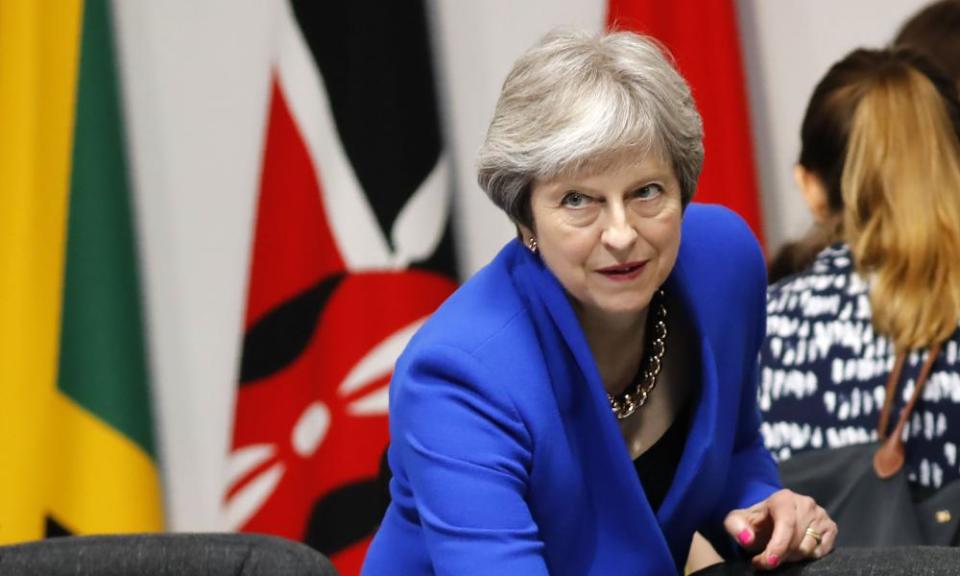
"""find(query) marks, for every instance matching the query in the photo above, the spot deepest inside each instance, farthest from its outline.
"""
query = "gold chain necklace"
(635, 396)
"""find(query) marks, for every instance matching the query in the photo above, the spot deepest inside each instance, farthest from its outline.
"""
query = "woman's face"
(610, 238)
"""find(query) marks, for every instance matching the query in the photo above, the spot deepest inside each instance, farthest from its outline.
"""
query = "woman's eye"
(574, 200)
(649, 191)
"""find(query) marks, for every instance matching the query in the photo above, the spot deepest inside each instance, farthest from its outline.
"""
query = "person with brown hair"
(934, 32)
(881, 164)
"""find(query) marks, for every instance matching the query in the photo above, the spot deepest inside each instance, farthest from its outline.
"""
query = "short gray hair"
(575, 101)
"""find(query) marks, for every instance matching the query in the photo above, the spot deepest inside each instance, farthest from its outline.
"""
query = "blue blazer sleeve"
(753, 474)
(467, 455)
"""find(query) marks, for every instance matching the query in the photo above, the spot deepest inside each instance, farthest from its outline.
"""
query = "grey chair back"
(207, 554)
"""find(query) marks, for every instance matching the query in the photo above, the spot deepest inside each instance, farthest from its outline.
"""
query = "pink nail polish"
(745, 537)
(773, 560)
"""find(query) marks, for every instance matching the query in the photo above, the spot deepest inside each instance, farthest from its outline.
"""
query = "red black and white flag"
(351, 253)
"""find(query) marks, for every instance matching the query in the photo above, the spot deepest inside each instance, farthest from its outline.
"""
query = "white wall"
(196, 76)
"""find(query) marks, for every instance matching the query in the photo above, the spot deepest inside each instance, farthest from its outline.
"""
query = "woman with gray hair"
(587, 401)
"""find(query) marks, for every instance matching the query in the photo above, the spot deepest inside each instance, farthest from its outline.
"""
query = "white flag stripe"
(358, 236)
(374, 404)
(242, 461)
(379, 361)
(310, 430)
(248, 500)
(419, 226)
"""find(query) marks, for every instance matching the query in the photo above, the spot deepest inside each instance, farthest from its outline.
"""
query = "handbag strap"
(889, 458)
(892, 382)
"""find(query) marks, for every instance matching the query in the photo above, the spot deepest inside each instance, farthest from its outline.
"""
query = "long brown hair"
(900, 188)
(825, 133)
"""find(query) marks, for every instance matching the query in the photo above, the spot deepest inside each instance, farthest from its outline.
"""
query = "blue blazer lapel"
(620, 504)
(697, 480)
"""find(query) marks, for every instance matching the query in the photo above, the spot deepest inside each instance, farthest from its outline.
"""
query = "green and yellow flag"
(76, 438)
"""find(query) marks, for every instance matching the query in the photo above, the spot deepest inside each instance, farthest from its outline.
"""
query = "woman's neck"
(617, 343)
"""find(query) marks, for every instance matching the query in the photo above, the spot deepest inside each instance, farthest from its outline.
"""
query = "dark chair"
(164, 555)
(919, 560)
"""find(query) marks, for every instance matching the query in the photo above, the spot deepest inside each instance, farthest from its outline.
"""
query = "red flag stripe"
(288, 210)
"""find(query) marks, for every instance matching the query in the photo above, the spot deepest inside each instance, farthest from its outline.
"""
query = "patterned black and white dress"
(824, 370)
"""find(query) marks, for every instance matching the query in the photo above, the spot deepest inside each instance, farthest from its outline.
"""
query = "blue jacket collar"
(582, 396)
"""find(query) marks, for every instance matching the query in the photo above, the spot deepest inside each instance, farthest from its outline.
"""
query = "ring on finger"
(813, 534)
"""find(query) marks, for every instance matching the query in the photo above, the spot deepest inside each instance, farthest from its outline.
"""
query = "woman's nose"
(618, 233)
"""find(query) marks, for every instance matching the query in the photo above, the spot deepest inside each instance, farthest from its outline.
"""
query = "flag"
(704, 39)
(77, 422)
(351, 254)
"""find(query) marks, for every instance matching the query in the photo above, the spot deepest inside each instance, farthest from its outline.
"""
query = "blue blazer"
(506, 457)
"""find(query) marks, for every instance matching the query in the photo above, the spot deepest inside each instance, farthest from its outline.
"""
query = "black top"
(657, 466)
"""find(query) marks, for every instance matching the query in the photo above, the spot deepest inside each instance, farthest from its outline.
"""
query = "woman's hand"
(783, 528)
